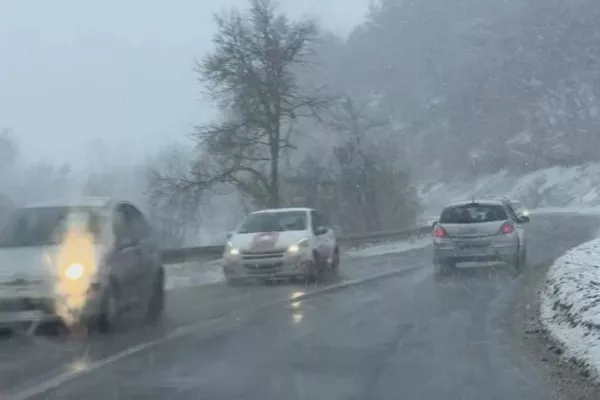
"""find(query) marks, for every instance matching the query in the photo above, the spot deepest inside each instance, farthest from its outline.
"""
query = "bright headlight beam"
(234, 252)
(295, 248)
(74, 271)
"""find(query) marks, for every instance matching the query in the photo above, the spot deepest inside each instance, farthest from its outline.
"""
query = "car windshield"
(274, 222)
(473, 213)
(42, 226)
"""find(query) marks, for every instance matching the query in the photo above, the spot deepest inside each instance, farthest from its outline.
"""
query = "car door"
(320, 237)
(148, 252)
(124, 261)
(512, 214)
(329, 236)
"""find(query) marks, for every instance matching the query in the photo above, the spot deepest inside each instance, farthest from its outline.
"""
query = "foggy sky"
(72, 71)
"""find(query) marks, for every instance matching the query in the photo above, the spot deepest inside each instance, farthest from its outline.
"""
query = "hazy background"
(430, 92)
(73, 71)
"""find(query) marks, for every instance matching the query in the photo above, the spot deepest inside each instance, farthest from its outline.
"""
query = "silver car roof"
(497, 202)
(84, 201)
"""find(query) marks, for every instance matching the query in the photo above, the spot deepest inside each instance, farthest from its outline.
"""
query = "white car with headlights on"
(78, 262)
(281, 243)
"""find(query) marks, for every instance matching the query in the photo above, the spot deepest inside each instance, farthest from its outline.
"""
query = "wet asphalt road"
(410, 336)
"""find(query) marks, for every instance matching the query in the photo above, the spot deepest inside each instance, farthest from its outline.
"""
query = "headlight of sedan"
(300, 245)
(74, 271)
(230, 250)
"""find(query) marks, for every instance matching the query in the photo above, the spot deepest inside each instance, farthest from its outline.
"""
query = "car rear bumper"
(504, 253)
(287, 266)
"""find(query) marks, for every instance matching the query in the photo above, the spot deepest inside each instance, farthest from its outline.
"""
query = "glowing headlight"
(301, 244)
(74, 271)
(230, 250)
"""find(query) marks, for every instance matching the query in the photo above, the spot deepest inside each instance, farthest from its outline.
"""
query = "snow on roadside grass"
(573, 187)
(192, 273)
(389, 248)
(195, 273)
(570, 304)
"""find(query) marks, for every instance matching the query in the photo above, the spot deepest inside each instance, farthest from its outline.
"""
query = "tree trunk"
(274, 186)
(274, 176)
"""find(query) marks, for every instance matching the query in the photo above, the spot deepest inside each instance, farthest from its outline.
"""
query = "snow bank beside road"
(570, 304)
(557, 187)
(389, 248)
(191, 274)
(194, 273)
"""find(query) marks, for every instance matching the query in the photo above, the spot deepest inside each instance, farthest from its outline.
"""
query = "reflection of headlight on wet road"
(74, 272)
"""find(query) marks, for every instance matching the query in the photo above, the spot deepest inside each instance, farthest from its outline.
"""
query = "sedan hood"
(266, 241)
(39, 263)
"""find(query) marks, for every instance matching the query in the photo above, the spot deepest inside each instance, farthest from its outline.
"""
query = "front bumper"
(275, 265)
(22, 305)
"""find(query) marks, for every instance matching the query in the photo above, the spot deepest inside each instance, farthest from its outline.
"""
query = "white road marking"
(61, 379)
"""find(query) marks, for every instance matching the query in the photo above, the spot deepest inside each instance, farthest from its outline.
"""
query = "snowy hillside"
(556, 187)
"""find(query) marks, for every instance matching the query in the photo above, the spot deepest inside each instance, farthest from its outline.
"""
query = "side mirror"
(434, 223)
(320, 230)
(229, 235)
(523, 219)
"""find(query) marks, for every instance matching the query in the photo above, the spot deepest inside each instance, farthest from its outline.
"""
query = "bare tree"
(371, 181)
(174, 212)
(251, 75)
(9, 152)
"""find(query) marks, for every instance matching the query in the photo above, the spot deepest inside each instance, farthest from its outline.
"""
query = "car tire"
(442, 267)
(109, 310)
(335, 263)
(233, 281)
(156, 301)
(316, 272)
(520, 260)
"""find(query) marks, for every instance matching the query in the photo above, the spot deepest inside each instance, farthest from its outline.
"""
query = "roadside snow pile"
(570, 304)
(389, 248)
(191, 274)
(556, 187)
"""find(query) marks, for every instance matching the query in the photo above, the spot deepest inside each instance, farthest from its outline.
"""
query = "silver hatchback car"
(479, 231)
(79, 262)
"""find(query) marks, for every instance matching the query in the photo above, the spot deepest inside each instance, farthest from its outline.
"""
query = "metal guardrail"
(207, 253)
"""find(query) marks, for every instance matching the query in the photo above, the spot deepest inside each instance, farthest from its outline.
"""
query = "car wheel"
(335, 263)
(109, 310)
(442, 267)
(156, 302)
(315, 273)
(520, 259)
(233, 281)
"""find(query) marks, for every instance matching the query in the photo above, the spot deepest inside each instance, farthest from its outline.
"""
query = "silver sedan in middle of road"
(485, 230)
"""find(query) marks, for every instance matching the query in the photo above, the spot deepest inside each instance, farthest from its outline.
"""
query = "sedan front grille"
(264, 268)
(262, 255)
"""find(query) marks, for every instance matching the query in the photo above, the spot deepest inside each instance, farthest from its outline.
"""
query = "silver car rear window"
(473, 213)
